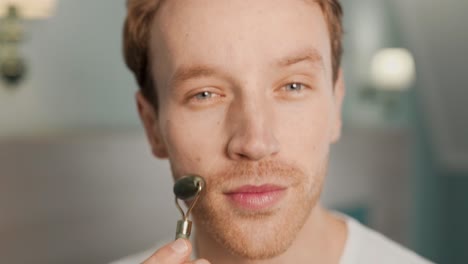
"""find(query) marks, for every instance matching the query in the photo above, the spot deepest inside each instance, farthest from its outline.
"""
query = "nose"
(252, 133)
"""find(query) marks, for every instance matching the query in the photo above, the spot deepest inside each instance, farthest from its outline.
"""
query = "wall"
(438, 224)
(76, 77)
(81, 198)
(435, 32)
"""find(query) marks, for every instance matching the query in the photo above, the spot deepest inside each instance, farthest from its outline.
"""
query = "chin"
(260, 239)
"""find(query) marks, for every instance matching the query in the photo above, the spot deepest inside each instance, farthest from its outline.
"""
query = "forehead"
(236, 34)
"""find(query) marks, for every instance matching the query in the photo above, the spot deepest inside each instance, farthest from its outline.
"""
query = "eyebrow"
(185, 73)
(308, 55)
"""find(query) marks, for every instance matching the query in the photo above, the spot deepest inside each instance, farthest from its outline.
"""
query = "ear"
(338, 95)
(149, 118)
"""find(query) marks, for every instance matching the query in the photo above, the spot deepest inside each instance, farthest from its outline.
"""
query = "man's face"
(245, 99)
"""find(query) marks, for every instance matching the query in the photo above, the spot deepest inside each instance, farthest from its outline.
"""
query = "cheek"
(304, 129)
(193, 138)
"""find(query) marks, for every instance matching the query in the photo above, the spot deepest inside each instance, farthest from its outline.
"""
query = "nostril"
(242, 156)
(251, 150)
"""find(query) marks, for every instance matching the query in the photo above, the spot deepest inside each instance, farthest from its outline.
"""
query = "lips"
(254, 198)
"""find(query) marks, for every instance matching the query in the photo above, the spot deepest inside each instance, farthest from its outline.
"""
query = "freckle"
(198, 159)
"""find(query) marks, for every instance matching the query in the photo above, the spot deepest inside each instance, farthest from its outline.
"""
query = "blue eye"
(204, 95)
(295, 86)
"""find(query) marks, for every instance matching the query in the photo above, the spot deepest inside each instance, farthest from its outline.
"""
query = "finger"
(198, 261)
(176, 252)
(201, 261)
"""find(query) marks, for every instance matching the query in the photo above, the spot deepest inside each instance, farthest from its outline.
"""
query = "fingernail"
(179, 246)
(201, 261)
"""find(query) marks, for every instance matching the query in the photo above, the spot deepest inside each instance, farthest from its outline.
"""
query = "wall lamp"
(13, 13)
(392, 73)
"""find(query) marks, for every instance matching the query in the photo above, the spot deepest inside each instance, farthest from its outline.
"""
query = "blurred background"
(78, 183)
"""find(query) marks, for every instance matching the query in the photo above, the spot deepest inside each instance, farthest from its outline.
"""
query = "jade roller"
(187, 188)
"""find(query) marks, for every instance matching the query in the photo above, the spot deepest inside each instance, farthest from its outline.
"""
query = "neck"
(321, 240)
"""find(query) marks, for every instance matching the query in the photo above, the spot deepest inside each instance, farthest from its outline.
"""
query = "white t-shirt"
(363, 246)
(366, 246)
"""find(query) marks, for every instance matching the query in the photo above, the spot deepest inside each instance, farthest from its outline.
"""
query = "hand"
(177, 252)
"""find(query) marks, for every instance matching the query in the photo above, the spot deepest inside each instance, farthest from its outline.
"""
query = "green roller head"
(187, 187)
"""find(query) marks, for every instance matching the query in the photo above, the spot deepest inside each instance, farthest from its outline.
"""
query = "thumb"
(173, 253)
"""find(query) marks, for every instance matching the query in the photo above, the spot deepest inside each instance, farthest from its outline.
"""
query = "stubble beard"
(263, 234)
